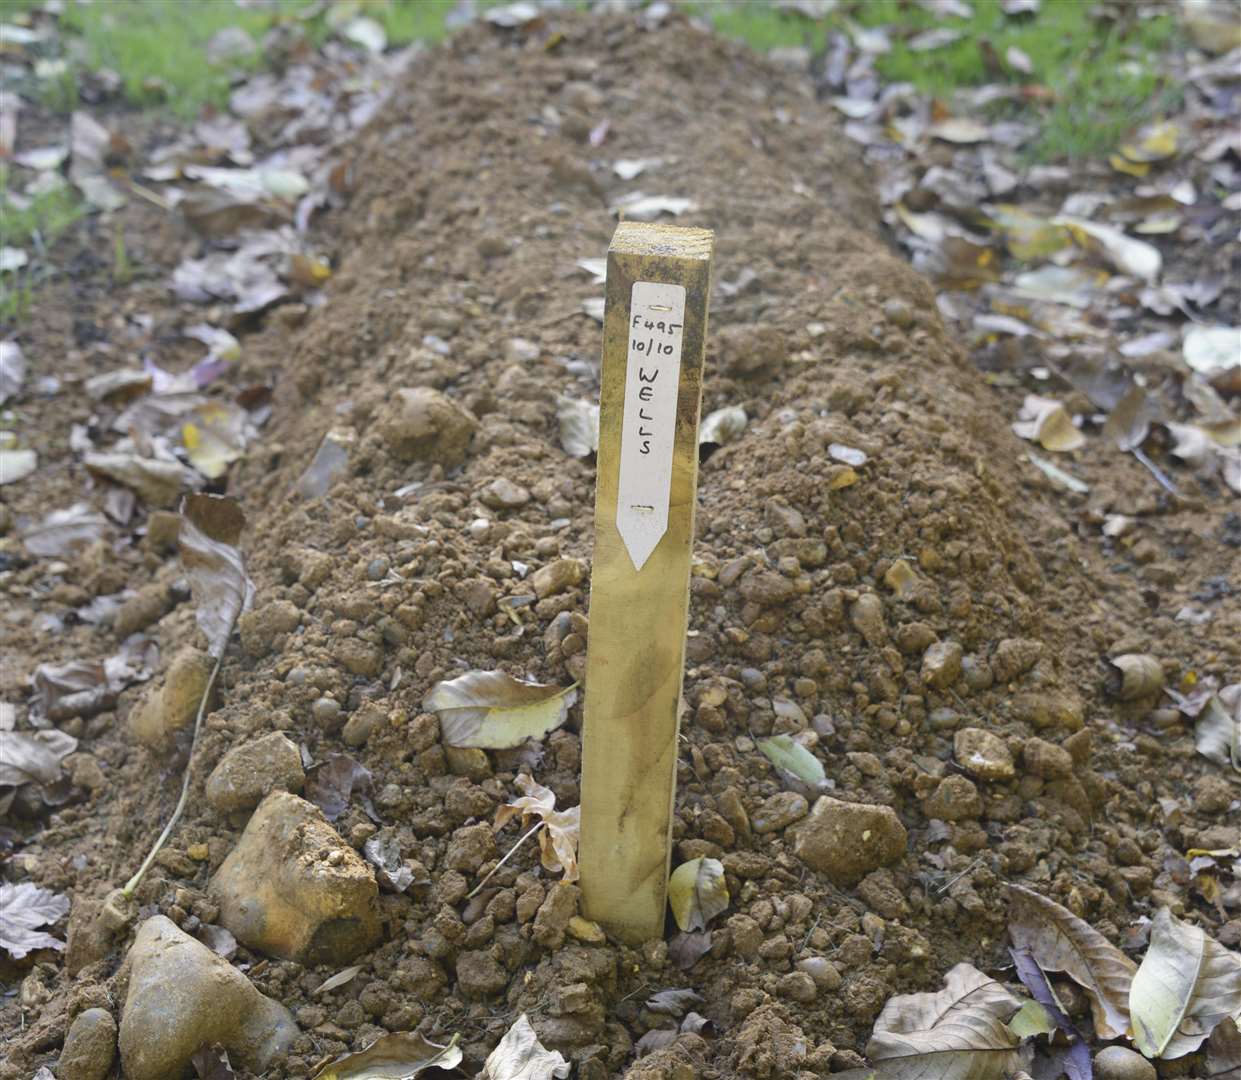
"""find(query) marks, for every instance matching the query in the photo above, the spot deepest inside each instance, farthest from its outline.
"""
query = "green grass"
(33, 228)
(1106, 78)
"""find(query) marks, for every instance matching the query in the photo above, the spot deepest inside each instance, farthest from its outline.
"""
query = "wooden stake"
(654, 336)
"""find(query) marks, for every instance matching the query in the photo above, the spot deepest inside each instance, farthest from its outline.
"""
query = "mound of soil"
(880, 608)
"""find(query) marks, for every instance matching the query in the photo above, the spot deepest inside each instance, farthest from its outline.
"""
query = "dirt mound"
(872, 570)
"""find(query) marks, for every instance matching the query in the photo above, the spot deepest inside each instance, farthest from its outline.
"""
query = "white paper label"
(652, 380)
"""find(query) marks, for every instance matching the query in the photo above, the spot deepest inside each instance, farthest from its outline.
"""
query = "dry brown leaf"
(1187, 984)
(210, 528)
(1224, 1052)
(520, 1056)
(957, 1033)
(64, 531)
(1047, 422)
(494, 711)
(1060, 941)
(23, 909)
(558, 839)
(158, 482)
(393, 1057)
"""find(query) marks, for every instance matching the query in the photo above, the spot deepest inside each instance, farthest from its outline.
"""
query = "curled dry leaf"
(1076, 1059)
(697, 893)
(1224, 1052)
(788, 755)
(62, 531)
(1217, 727)
(722, 426)
(558, 839)
(1187, 984)
(494, 711)
(1134, 675)
(957, 1033)
(1133, 257)
(24, 908)
(383, 852)
(1210, 350)
(579, 426)
(685, 950)
(1059, 941)
(158, 482)
(520, 1056)
(210, 528)
(211, 1063)
(674, 1002)
(339, 979)
(330, 785)
(393, 1057)
(1047, 422)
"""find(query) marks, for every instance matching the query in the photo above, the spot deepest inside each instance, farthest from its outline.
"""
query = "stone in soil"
(253, 770)
(1121, 1063)
(167, 711)
(181, 996)
(422, 424)
(293, 888)
(779, 811)
(90, 1047)
(983, 754)
(846, 841)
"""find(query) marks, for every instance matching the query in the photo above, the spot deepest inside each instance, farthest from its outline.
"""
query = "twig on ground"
(506, 858)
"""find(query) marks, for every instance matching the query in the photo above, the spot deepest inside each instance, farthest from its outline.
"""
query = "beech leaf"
(494, 711)
(210, 528)
(722, 426)
(1047, 422)
(1059, 941)
(1186, 985)
(393, 1057)
(63, 531)
(520, 1056)
(579, 426)
(788, 755)
(957, 1033)
(24, 908)
(1217, 728)
(697, 892)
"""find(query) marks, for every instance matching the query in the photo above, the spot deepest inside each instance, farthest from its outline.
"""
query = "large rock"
(846, 841)
(182, 996)
(293, 888)
(421, 424)
(253, 770)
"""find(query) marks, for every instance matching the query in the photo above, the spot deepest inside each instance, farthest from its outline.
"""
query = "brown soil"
(477, 191)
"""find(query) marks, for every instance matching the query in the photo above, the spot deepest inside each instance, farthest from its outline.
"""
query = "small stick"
(132, 883)
(1155, 470)
(506, 858)
(941, 889)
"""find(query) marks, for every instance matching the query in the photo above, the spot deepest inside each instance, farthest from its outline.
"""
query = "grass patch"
(1106, 77)
(33, 224)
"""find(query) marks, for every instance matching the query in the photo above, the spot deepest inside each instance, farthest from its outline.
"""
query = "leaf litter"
(494, 711)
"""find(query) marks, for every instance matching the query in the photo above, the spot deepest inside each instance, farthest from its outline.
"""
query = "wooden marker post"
(654, 337)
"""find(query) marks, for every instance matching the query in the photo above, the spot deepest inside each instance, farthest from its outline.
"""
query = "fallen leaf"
(685, 950)
(697, 893)
(1059, 941)
(1069, 285)
(33, 757)
(1217, 728)
(674, 1002)
(12, 259)
(339, 979)
(393, 1057)
(210, 528)
(494, 711)
(655, 1039)
(1155, 143)
(630, 168)
(328, 465)
(24, 908)
(64, 531)
(1212, 349)
(383, 852)
(13, 369)
(639, 207)
(1129, 422)
(579, 426)
(960, 130)
(1134, 257)
(211, 1063)
(1224, 1052)
(594, 307)
(722, 426)
(330, 785)
(76, 688)
(154, 480)
(1186, 985)
(365, 32)
(1032, 1019)
(1047, 422)
(520, 1056)
(90, 145)
(847, 454)
(17, 465)
(788, 755)
(1076, 1061)
(558, 839)
(219, 940)
(957, 1033)
(935, 38)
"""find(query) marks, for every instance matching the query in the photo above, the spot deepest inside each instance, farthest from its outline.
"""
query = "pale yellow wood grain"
(636, 650)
